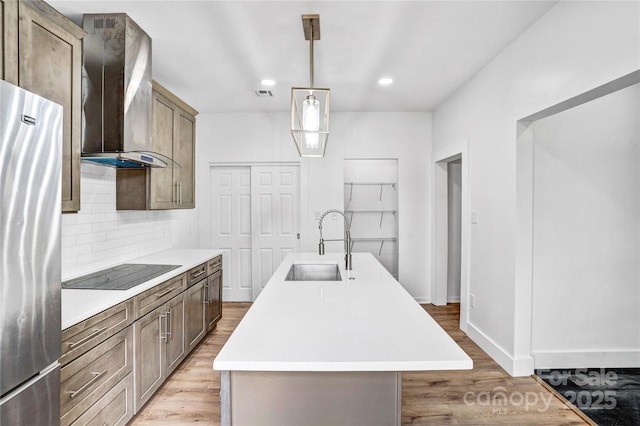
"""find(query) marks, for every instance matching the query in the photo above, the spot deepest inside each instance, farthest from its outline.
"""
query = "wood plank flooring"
(486, 395)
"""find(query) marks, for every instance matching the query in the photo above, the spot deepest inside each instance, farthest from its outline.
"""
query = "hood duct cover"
(116, 92)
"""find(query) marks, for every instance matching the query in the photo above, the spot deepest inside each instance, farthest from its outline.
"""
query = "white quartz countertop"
(366, 322)
(78, 305)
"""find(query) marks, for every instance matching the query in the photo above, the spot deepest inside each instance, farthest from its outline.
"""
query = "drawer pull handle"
(96, 331)
(198, 274)
(158, 296)
(215, 265)
(96, 376)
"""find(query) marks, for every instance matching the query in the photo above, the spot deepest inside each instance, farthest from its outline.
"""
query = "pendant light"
(310, 105)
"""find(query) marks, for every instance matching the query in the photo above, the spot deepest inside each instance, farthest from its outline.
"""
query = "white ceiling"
(213, 54)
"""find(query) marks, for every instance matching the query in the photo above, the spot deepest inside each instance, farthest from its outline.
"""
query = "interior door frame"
(439, 235)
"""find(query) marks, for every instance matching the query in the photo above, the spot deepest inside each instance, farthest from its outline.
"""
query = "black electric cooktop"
(121, 277)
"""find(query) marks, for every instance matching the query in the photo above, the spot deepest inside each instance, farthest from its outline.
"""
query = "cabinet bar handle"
(162, 335)
(198, 274)
(72, 394)
(89, 337)
(168, 328)
(158, 296)
(206, 294)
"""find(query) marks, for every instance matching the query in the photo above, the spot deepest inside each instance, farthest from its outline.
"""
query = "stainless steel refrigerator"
(30, 174)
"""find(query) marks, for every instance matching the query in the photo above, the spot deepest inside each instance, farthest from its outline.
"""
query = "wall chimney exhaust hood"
(116, 93)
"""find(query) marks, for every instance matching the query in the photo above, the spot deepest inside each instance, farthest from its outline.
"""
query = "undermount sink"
(314, 272)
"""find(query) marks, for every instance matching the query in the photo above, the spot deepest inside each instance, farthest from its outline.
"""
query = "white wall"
(573, 48)
(255, 137)
(99, 236)
(586, 205)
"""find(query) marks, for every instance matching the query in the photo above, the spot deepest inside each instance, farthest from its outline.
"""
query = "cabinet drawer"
(150, 299)
(214, 265)
(83, 336)
(115, 408)
(88, 378)
(196, 274)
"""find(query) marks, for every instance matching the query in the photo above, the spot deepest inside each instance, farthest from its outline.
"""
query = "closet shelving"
(380, 184)
(371, 205)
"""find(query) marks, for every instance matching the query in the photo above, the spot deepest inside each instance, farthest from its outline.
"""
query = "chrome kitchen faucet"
(346, 239)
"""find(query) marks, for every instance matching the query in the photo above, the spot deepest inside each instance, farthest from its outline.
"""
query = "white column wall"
(586, 205)
(261, 137)
(573, 48)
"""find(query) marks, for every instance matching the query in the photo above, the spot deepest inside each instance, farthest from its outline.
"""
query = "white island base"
(329, 352)
(311, 398)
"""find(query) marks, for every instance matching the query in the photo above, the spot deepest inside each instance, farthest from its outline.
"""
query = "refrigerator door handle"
(95, 377)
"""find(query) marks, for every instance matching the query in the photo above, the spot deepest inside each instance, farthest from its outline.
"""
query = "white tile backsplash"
(100, 236)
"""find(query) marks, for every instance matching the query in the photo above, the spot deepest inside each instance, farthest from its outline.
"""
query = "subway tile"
(68, 241)
(84, 228)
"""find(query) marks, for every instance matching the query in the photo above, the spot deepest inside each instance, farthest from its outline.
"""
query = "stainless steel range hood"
(116, 92)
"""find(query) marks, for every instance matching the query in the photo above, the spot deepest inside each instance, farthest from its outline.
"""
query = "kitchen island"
(329, 352)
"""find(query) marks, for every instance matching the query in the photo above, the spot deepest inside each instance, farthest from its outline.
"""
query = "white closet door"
(231, 229)
(275, 219)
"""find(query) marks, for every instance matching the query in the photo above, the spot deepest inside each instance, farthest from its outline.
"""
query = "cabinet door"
(162, 190)
(50, 63)
(9, 41)
(149, 340)
(195, 325)
(176, 346)
(214, 299)
(183, 154)
(84, 381)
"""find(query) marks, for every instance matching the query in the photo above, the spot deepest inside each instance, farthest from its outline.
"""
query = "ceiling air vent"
(262, 93)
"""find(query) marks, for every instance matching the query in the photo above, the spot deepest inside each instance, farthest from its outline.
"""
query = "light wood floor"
(191, 394)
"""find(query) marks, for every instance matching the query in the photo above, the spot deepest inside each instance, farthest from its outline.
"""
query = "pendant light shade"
(310, 120)
(310, 105)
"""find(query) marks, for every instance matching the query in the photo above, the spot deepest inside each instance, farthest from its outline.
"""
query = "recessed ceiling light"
(268, 82)
(385, 81)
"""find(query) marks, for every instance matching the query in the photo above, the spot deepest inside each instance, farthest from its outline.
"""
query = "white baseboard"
(515, 367)
(455, 299)
(592, 359)
(423, 300)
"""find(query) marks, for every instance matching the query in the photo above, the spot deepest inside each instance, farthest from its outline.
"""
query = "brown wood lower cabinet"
(195, 296)
(204, 301)
(114, 408)
(213, 299)
(85, 381)
(113, 362)
(159, 347)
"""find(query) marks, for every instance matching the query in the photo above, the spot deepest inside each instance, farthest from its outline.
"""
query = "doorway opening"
(450, 254)
(577, 245)
(454, 223)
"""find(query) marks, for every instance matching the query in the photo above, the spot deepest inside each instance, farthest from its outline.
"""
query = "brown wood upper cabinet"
(42, 53)
(9, 34)
(174, 130)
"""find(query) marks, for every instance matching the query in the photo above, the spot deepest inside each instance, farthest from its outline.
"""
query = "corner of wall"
(516, 367)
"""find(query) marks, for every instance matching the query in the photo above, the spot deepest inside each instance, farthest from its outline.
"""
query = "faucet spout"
(347, 238)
